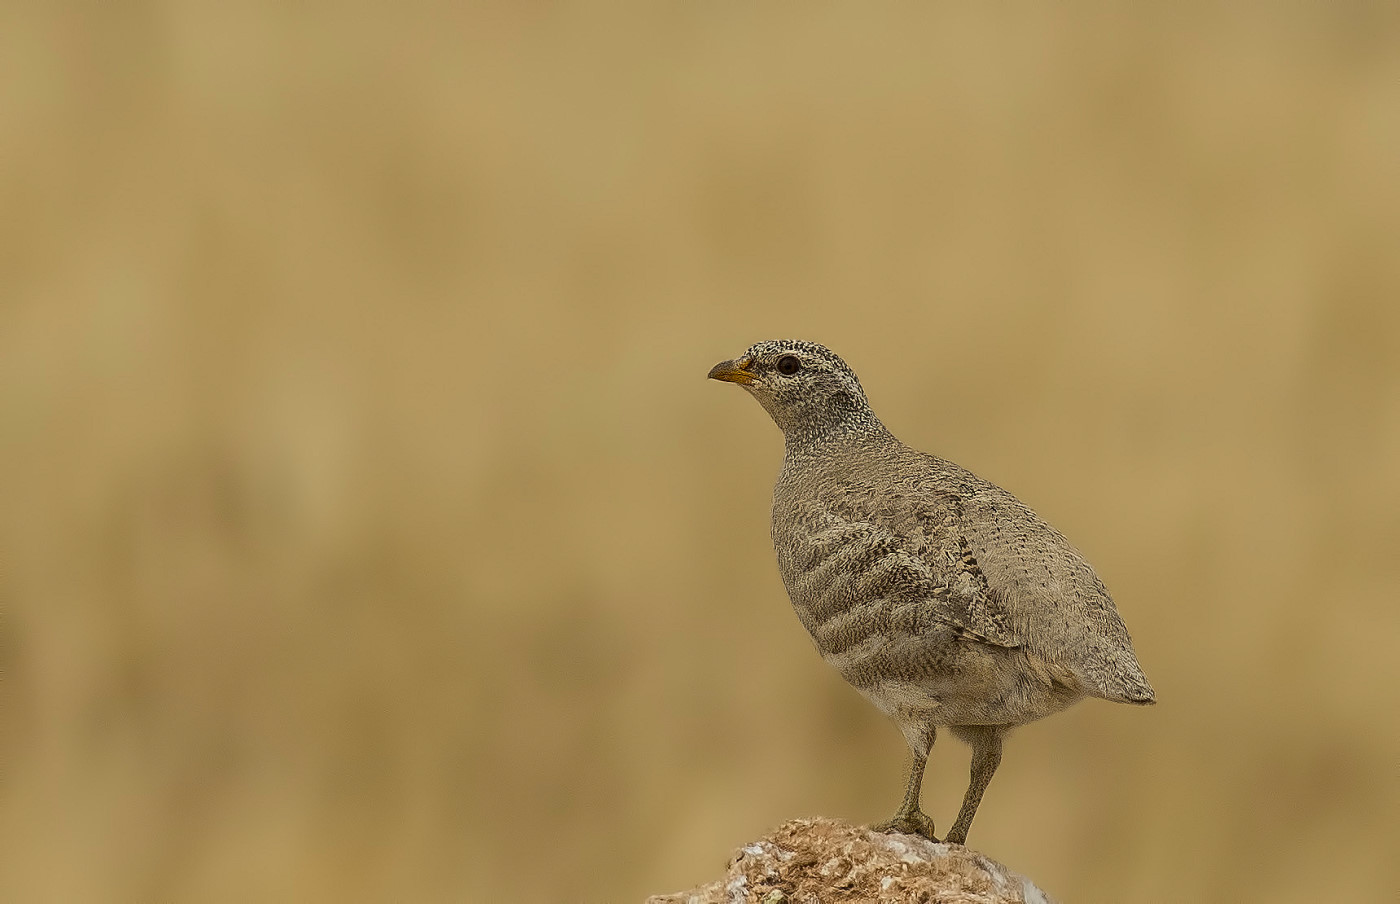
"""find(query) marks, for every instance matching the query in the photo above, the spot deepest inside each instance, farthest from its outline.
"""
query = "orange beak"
(736, 371)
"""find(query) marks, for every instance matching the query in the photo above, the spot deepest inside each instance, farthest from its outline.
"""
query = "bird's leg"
(909, 818)
(986, 756)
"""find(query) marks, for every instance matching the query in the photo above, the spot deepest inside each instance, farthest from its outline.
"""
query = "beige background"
(370, 532)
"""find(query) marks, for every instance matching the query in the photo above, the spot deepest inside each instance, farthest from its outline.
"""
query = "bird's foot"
(915, 822)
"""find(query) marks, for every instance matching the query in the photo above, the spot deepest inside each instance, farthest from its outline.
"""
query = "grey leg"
(986, 756)
(909, 818)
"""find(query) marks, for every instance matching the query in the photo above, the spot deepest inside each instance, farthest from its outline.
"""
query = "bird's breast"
(855, 583)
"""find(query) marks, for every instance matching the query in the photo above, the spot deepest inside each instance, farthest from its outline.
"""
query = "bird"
(941, 597)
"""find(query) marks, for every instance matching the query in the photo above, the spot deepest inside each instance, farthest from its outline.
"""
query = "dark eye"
(788, 365)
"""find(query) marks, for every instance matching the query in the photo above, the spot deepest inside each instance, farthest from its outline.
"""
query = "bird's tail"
(1121, 680)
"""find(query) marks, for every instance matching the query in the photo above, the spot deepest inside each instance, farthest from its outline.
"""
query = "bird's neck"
(815, 439)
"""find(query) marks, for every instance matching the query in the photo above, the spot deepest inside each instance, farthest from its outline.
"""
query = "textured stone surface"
(826, 861)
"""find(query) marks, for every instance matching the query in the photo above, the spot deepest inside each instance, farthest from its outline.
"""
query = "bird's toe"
(915, 823)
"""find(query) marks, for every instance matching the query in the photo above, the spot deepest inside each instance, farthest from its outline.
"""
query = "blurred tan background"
(371, 533)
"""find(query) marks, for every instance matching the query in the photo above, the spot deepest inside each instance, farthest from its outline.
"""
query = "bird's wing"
(929, 528)
(841, 552)
(1039, 587)
(987, 615)
(1044, 595)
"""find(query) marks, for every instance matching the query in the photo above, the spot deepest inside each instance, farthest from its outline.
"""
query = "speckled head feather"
(811, 394)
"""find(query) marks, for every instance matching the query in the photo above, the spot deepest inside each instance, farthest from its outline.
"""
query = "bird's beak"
(736, 371)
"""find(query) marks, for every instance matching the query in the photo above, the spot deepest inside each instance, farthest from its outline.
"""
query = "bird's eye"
(788, 365)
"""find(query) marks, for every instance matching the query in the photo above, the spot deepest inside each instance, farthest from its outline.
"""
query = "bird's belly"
(946, 679)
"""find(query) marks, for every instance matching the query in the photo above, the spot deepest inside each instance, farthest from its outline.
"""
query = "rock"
(826, 861)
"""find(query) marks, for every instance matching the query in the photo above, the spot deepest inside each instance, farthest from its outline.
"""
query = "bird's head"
(806, 387)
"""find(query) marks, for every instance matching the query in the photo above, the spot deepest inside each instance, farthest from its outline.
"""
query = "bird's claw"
(915, 823)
